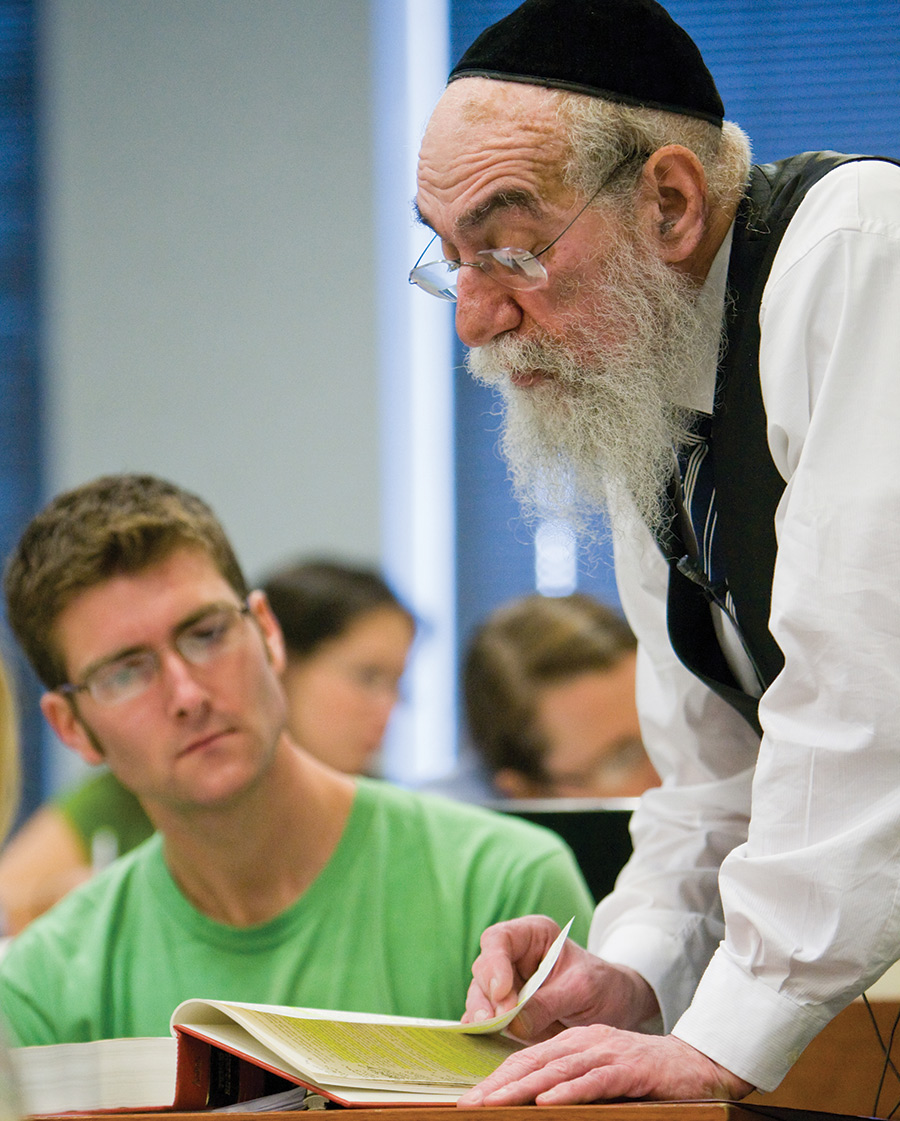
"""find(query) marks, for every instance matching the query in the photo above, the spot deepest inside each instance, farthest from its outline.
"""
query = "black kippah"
(629, 51)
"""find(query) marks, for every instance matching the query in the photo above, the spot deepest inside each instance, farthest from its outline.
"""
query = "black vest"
(748, 486)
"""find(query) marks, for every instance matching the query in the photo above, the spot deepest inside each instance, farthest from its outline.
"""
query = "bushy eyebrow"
(510, 198)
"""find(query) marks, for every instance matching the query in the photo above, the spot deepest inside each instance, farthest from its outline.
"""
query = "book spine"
(209, 1076)
(192, 1070)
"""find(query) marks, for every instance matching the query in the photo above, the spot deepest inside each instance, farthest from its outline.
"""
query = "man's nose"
(184, 690)
(484, 308)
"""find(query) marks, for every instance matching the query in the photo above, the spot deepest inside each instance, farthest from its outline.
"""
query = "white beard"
(598, 434)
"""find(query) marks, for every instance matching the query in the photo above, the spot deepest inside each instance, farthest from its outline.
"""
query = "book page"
(129, 1073)
(537, 978)
(372, 1054)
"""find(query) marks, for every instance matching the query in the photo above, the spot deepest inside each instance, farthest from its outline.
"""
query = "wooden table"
(626, 1111)
(840, 1070)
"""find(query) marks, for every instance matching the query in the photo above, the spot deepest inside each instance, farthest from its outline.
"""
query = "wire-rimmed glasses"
(200, 642)
(511, 267)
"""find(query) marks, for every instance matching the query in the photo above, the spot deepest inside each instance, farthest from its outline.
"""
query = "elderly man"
(273, 878)
(710, 351)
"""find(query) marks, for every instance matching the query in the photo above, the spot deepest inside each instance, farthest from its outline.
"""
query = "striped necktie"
(695, 503)
(698, 504)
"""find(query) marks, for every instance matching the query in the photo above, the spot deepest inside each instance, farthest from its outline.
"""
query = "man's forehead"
(184, 576)
(486, 135)
(476, 109)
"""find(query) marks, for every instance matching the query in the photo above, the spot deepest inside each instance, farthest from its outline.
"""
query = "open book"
(353, 1058)
(227, 1051)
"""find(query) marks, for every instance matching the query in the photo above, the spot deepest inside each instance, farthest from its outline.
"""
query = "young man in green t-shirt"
(271, 878)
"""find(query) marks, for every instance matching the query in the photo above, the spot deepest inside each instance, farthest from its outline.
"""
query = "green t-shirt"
(101, 803)
(392, 925)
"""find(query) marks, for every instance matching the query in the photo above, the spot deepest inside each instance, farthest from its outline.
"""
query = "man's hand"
(581, 989)
(600, 1063)
(580, 1057)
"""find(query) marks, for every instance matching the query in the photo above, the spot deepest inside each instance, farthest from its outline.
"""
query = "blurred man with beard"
(708, 351)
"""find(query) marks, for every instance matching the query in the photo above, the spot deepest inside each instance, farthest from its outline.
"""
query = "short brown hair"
(532, 641)
(116, 524)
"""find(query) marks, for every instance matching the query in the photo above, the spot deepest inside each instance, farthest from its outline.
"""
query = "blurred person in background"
(348, 639)
(549, 690)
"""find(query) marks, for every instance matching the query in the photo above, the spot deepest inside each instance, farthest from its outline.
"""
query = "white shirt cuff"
(747, 1027)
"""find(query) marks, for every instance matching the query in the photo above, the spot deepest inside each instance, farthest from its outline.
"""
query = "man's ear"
(63, 719)
(270, 629)
(673, 204)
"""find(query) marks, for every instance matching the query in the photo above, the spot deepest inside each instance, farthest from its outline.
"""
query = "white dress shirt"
(755, 929)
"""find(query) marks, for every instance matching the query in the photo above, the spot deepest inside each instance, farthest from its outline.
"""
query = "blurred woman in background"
(348, 638)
